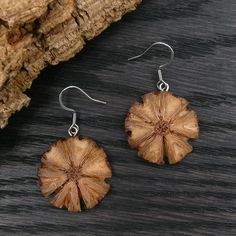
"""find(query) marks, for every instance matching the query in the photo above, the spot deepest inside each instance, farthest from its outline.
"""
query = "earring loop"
(160, 125)
(161, 84)
(75, 169)
(74, 128)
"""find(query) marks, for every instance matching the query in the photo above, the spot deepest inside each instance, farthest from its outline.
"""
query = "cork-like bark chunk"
(160, 127)
(34, 34)
(75, 169)
(15, 12)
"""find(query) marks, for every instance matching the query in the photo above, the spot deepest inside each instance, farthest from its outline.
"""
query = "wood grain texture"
(196, 197)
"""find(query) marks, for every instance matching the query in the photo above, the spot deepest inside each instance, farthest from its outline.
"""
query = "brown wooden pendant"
(75, 170)
(160, 126)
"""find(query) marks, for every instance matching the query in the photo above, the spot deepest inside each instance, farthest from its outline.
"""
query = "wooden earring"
(74, 169)
(161, 124)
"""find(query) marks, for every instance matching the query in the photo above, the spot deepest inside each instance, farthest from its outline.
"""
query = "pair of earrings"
(159, 127)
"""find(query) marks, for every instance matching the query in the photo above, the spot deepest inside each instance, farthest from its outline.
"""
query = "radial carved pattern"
(75, 169)
(160, 126)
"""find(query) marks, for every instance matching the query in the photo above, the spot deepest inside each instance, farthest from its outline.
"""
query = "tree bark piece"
(34, 34)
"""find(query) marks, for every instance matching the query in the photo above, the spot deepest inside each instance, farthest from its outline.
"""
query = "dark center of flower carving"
(73, 173)
(162, 128)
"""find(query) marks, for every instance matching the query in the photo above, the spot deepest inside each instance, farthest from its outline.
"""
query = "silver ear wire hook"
(161, 84)
(74, 128)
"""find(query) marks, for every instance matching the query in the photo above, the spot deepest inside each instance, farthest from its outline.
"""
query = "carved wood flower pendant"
(161, 126)
(75, 169)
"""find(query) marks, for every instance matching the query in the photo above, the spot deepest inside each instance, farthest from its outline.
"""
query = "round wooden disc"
(75, 169)
(160, 127)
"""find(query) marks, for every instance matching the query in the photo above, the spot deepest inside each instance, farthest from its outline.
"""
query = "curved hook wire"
(82, 91)
(161, 84)
(74, 128)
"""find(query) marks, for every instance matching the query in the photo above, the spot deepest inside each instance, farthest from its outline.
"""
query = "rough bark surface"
(34, 34)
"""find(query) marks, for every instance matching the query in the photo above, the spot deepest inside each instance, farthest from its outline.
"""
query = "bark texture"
(34, 34)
